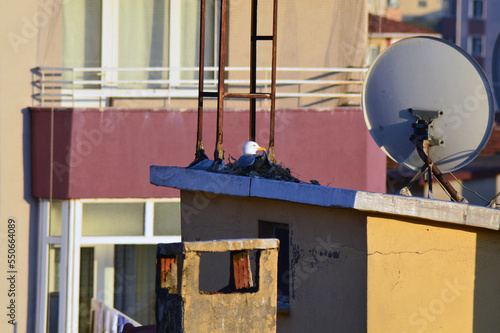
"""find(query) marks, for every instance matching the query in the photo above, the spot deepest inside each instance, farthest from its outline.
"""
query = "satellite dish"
(438, 83)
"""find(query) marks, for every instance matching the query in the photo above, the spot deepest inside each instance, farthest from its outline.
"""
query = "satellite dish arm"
(438, 174)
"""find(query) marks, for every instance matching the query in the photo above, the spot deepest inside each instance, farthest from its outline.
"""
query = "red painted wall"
(107, 153)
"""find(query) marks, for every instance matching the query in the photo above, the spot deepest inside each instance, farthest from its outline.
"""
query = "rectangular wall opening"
(280, 231)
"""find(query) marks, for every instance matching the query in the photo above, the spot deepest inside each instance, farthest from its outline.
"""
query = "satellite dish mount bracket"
(423, 141)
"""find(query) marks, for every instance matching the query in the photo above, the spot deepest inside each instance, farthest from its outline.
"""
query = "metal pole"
(271, 153)
(253, 69)
(199, 135)
(219, 151)
(458, 23)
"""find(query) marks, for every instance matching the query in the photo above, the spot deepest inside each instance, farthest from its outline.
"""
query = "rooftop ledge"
(416, 207)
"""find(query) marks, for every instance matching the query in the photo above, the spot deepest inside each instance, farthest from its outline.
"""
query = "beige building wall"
(310, 34)
(19, 44)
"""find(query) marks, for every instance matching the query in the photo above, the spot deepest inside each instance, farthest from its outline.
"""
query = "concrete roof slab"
(415, 207)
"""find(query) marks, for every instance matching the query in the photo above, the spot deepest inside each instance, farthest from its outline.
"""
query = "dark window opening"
(281, 232)
(477, 9)
(228, 272)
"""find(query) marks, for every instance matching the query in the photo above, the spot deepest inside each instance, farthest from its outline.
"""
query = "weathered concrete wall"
(327, 254)
(186, 308)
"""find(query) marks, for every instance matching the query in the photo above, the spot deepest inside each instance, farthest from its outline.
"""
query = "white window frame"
(71, 241)
(109, 55)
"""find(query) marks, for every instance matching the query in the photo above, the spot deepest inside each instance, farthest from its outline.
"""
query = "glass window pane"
(55, 221)
(477, 9)
(143, 38)
(86, 287)
(477, 47)
(82, 37)
(167, 219)
(113, 219)
(134, 282)
(54, 272)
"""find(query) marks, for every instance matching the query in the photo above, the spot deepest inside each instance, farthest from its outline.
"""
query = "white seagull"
(251, 150)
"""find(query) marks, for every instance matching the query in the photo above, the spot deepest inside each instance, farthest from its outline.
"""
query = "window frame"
(422, 4)
(471, 46)
(110, 55)
(472, 8)
(71, 241)
(449, 8)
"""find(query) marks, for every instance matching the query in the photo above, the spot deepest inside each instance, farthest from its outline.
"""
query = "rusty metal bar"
(253, 69)
(219, 151)
(201, 94)
(271, 153)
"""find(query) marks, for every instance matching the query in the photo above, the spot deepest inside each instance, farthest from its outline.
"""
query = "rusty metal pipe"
(219, 151)
(271, 153)
(253, 69)
(199, 133)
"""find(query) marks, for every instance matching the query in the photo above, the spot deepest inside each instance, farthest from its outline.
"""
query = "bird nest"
(260, 168)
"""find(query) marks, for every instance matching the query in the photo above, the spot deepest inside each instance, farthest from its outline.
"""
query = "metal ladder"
(220, 94)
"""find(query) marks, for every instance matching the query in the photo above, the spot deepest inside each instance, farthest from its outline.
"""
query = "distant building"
(387, 8)
(477, 31)
(383, 31)
(425, 13)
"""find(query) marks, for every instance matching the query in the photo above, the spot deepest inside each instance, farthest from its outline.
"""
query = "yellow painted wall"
(430, 277)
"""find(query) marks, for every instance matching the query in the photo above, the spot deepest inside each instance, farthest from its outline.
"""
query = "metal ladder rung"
(214, 94)
(271, 37)
(247, 95)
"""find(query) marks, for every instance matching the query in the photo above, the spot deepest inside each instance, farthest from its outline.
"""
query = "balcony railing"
(99, 86)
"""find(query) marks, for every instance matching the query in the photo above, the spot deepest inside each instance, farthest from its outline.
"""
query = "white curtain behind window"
(143, 37)
(81, 36)
(135, 282)
(149, 33)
